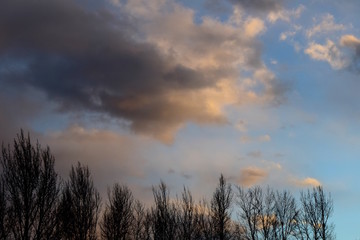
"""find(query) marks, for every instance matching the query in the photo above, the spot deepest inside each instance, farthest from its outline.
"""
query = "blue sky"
(265, 92)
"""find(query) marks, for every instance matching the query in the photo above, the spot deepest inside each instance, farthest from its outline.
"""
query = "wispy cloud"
(326, 25)
(285, 14)
(329, 53)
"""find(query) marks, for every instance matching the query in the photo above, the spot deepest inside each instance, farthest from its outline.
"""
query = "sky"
(263, 91)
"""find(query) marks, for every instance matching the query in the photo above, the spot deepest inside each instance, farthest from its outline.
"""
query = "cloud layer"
(150, 64)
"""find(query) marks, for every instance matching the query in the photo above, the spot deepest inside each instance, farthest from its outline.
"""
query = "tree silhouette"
(204, 223)
(257, 212)
(118, 217)
(265, 208)
(286, 214)
(148, 222)
(317, 208)
(139, 224)
(31, 190)
(187, 216)
(80, 205)
(220, 209)
(4, 219)
(33, 205)
(248, 203)
(164, 214)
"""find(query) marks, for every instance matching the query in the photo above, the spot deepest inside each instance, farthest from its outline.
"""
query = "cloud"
(254, 26)
(217, 6)
(274, 9)
(259, 5)
(290, 34)
(111, 157)
(17, 111)
(148, 63)
(344, 54)
(96, 147)
(285, 15)
(326, 25)
(251, 175)
(285, 35)
(307, 182)
(350, 41)
(329, 53)
(352, 45)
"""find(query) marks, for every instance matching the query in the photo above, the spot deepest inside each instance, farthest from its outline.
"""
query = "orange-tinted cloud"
(307, 182)
(251, 175)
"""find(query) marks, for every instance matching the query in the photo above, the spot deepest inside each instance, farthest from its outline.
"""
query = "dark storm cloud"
(17, 110)
(87, 58)
(84, 56)
(69, 49)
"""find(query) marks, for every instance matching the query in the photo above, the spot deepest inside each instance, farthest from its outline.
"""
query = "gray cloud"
(353, 43)
(260, 5)
(217, 6)
(87, 57)
(17, 110)
(70, 52)
(111, 157)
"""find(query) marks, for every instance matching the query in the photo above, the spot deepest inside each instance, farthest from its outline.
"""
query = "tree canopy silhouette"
(29, 191)
(79, 205)
(34, 205)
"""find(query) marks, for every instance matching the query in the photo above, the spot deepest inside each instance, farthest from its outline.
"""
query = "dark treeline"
(36, 204)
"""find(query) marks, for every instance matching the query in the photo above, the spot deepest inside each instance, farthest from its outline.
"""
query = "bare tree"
(5, 222)
(80, 204)
(118, 216)
(148, 224)
(220, 209)
(204, 225)
(317, 208)
(265, 205)
(164, 214)
(257, 211)
(31, 189)
(138, 228)
(249, 210)
(287, 215)
(187, 216)
(238, 231)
